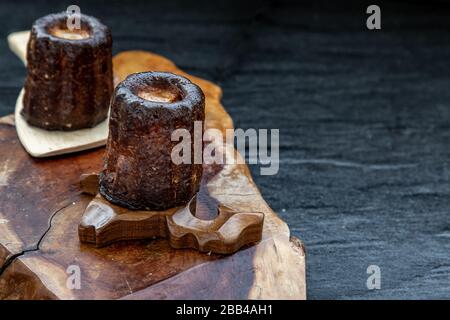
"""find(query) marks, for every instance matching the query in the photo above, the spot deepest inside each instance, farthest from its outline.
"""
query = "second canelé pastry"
(69, 73)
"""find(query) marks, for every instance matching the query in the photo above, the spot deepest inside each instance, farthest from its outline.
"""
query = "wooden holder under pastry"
(104, 223)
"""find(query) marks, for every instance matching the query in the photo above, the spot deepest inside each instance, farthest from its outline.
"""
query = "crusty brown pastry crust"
(138, 172)
(69, 82)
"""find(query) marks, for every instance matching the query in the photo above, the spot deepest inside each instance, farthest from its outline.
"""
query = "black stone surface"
(364, 119)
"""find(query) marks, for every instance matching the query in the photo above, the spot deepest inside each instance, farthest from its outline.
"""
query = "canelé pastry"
(138, 171)
(69, 80)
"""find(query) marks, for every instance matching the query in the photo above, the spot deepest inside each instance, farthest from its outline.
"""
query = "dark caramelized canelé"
(69, 80)
(139, 172)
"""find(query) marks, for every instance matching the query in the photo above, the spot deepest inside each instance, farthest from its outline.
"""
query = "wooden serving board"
(41, 206)
(44, 143)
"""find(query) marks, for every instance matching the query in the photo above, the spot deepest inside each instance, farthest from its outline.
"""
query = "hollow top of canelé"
(153, 89)
(160, 94)
(65, 33)
(55, 26)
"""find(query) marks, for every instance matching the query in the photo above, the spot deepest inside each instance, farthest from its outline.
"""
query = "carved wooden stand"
(103, 223)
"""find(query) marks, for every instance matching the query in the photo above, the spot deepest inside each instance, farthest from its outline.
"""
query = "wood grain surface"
(275, 268)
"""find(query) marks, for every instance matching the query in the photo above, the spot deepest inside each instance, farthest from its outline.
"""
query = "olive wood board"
(41, 205)
(44, 143)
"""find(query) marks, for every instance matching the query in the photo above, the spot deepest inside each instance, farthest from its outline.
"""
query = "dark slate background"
(364, 119)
